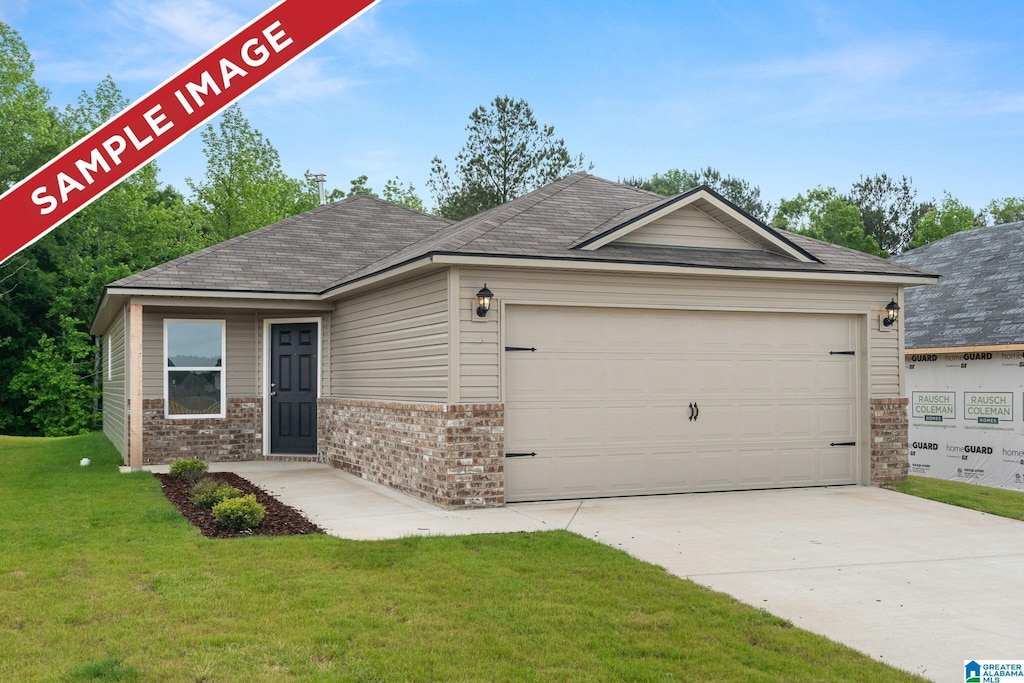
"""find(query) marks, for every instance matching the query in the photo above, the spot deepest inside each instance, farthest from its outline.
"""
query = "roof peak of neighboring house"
(978, 301)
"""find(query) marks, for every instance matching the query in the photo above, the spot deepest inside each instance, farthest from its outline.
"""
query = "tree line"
(50, 366)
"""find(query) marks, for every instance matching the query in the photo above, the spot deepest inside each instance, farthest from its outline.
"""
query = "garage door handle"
(844, 443)
(520, 455)
(520, 348)
(694, 411)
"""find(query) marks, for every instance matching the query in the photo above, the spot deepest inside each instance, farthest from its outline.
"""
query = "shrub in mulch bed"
(281, 519)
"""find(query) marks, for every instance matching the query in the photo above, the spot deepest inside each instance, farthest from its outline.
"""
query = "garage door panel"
(577, 378)
(711, 336)
(757, 467)
(835, 465)
(712, 377)
(586, 334)
(836, 378)
(667, 376)
(755, 421)
(580, 474)
(669, 471)
(837, 421)
(714, 468)
(624, 338)
(533, 377)
(668, 332)
(629, 424)
(530, 478)
(754, 377)
(626, 472)
(836, 337)
(716, 422)
(797, 465)
(624, 378)
(796, 421)
(797, 377)
(605, 401)
(668, 423)
(577, 425)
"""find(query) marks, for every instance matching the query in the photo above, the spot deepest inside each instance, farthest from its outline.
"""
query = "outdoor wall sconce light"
(892, 313)
(483, 301)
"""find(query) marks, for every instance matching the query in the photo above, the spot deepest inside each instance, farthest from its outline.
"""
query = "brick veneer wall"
(890, 457)
(237, 436)
(448, 455)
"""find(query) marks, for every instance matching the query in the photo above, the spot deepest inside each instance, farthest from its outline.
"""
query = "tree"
(359, 186)
(244, 187)
(1006, 210)
(950, 217)
(56, 384)
(27, 124)
(506, 155)
(736, 190)
(889, 209)
(826, 215)
(396, 192)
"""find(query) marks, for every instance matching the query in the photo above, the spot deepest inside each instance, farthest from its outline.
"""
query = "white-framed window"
(194, 352)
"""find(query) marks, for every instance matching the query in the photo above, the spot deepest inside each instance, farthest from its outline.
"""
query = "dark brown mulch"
(281, 519)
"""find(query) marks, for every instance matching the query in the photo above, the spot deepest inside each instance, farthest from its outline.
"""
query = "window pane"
(194, 345)
(193, 393)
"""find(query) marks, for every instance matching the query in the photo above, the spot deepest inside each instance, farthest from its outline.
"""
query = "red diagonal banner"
(133, 138)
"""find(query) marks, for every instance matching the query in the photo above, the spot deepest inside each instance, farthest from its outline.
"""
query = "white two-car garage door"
(621, 402)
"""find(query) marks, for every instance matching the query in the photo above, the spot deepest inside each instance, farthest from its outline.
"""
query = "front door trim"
(265, 383)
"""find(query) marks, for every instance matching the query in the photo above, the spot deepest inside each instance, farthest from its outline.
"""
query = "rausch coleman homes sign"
(965, 416)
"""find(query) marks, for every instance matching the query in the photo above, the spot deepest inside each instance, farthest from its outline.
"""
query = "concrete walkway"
(919, 585)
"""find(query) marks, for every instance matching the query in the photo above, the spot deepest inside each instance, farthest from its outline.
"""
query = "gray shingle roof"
(361, 236)
(980, 299)
(303, 254)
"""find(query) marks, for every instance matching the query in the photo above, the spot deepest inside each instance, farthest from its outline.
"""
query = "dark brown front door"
(293, 387)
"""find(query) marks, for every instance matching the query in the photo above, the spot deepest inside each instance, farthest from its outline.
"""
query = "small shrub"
(208, 492)
(239, 513)
(189, 469)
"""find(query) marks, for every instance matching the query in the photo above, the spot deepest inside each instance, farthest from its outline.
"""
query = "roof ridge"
(636, 189)
(521, 202)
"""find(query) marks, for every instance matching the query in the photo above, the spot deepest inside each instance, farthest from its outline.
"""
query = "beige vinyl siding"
(241, 365)
(113, 388)
(479, 366)
(392, 343)
(687, 227)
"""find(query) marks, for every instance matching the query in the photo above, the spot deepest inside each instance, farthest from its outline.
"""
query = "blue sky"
(787, 95)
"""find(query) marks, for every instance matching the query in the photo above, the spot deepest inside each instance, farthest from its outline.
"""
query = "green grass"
(102, 580)
(1002, 502)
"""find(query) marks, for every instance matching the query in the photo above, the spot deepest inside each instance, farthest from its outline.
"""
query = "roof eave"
(113, 294)
(688, 269)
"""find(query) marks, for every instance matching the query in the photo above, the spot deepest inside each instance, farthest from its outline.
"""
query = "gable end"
(701, 219)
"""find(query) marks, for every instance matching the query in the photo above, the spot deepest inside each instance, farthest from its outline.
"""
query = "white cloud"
(184, 25)
(304, 80)
(374, 46)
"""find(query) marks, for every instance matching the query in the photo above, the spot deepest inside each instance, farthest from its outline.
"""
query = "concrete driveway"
(919, 585)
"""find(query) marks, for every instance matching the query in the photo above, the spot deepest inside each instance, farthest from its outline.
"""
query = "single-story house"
(965, 358)
(587, 339)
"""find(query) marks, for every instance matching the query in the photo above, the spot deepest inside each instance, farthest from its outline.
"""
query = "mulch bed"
(281, 519)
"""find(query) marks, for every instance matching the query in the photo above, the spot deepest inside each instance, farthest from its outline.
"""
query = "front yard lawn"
(102, 579)
(1002, 502)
